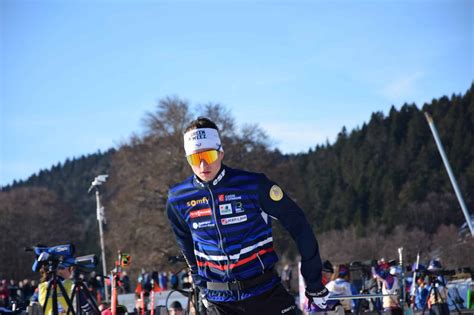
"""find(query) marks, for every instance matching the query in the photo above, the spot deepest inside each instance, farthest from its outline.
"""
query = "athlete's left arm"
(278, 205)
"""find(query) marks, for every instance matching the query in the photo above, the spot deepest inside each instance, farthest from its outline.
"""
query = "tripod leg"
(77, 296)
(48, 291)
(427, 298)
(72, 294)
(89, 297)
(55, 297)
(66, 298)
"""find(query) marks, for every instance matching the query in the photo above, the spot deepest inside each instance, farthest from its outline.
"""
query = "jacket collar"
(197, 182)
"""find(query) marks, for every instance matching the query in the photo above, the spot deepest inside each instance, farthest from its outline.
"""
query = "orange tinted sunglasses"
(208, 156)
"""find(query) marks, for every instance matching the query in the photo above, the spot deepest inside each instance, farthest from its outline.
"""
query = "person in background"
(390, 285)
(421, 292)
(4, 293)
(174, 281)
(13, 290)
(340, 285)
(40, 296)
(176, 309)
(28, 289)
(125, 282)
(438, 298)
(328, 271)
(163, 280)
(64, 274)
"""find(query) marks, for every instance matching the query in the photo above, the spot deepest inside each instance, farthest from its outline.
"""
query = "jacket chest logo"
(200, 213)
(225, 209)
(234, 220)
(230, 197)
(195, 202)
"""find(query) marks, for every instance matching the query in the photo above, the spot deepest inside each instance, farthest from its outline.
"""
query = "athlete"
(222, 221)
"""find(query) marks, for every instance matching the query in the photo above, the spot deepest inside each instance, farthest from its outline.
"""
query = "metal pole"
(402, 280)
(102, 246)
(450, 172)
(413, 284)
(359, 297)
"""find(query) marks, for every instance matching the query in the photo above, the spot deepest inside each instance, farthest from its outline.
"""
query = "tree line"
(379, 186)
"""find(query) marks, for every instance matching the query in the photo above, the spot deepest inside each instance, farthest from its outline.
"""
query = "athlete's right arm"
(183, 235)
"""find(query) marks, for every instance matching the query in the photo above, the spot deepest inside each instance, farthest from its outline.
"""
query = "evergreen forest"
(377, 187)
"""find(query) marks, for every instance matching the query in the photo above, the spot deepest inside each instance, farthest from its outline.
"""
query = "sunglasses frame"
(189, 158)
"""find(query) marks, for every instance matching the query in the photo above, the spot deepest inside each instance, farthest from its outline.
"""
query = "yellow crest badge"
(276, 194)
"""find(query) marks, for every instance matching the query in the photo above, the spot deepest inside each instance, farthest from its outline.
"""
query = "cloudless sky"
(78, 76)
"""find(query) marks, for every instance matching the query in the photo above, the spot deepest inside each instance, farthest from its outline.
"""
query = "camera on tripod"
(435, 273)
(57, 291)
(61, 254)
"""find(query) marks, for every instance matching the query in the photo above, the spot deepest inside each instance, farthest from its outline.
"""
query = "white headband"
(202, 138)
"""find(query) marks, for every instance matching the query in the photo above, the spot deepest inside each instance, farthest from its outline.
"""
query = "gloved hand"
(317, 298)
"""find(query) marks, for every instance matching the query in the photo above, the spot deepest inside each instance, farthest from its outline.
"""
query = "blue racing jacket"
(224, 230)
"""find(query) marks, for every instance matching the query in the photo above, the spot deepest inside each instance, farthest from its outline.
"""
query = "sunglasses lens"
(194, 159)
(208, 156)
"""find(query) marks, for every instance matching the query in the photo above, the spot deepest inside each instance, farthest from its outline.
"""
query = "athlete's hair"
(201, 122)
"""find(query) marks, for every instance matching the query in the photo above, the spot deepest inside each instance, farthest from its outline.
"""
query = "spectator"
(163, 280)
(438, 299)
(4, 293)
(145, 280)
(95, 286)
(421, 292)
(174, 283)
(176, 308)
(390, 285)
(340, 285)
(28, 289)
(64, 274)
(13, 290)
(125, 281)
(328, 271)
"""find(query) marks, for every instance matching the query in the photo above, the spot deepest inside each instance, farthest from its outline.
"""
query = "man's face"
(207, 172)
(176, 312)
(64, 272)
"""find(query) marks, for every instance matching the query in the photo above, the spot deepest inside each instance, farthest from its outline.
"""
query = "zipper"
(221, 241)
(261, 263)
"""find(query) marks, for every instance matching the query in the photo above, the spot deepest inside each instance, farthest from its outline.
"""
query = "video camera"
(435, 272)
(61, 254)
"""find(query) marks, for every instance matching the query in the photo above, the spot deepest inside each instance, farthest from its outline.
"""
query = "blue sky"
(78, 76)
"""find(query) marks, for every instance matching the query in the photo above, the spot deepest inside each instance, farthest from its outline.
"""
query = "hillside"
(377, 187)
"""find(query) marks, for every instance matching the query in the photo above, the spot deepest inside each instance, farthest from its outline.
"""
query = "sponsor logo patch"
(201, 201)
(230, 197)
(203, 224)
(239, 207)
(225, 208)
(200, 213)
(234, 220)
(289, 308)
(198, 134)
(218, 179)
